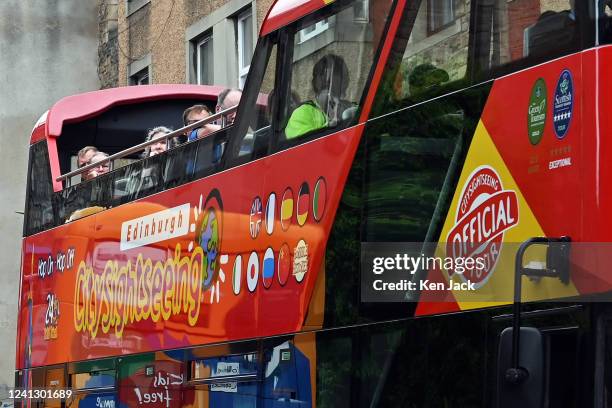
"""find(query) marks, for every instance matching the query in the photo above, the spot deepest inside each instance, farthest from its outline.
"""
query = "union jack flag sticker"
(256, 218)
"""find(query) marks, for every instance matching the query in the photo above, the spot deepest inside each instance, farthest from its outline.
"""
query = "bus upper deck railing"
(130, 150)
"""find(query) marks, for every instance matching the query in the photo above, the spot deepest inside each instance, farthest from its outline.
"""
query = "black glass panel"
(39, 206)
(409, 363)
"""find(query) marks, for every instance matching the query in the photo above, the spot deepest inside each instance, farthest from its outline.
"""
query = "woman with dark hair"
(330, 79)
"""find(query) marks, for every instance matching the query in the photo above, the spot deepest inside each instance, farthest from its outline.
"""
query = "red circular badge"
(484, 212)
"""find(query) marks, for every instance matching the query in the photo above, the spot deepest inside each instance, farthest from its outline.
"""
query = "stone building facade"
(178, 41)
(48, 52)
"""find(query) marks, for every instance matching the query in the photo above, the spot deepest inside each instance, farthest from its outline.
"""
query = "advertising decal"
(185, 267)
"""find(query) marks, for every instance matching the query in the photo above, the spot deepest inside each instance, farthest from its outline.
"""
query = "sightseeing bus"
(368, 131)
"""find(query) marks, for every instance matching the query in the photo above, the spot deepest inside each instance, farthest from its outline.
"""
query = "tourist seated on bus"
(85, 154)
(294, 103)
(195, 114)
(228, 98)
(330, 79)
(94, 172)
(140, 180)
(162, 145)
(256, 141)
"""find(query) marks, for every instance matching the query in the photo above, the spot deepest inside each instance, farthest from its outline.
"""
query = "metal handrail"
(143, 145)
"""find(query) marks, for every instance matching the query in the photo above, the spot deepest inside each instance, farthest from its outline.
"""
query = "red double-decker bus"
(198, 279)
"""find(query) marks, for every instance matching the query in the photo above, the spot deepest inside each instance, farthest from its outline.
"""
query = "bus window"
(412, 166)
(39, 208)
(94, 379)
(153, 379)
(513, 35)
(55, 379)
(332, 53)
(605, 21)
(251, 136)
(435, 50)
(445, 48)
(288, 366)
(93, 384)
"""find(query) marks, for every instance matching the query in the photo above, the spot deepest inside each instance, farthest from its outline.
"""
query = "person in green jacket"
(330, 79)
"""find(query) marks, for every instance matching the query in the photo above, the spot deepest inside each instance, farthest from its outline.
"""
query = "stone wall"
(158, 30)
(108, 50)
(48, 51)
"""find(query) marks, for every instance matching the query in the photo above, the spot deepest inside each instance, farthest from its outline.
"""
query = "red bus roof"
(85, 105)
(284, 12)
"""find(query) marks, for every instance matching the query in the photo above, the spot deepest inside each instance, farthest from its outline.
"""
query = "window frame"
(207, 37)
(38, 158)
(242, 32)
(366, 10)
(320, 28)
(431, 27)
(236, 133)
(139, 77)
(132, 6)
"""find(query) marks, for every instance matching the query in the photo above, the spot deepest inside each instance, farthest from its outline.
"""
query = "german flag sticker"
(287, 209)
(303, 204)
(319, 199)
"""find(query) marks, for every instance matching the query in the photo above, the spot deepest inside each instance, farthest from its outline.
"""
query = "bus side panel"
(228, 257)
(521, 178)
(597, 170)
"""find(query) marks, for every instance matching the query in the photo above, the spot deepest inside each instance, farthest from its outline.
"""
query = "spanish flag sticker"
(287, 209)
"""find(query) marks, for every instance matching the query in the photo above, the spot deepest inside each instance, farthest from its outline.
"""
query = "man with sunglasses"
(195, 114)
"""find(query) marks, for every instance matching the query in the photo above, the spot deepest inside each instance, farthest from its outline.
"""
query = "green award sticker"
(536, 116)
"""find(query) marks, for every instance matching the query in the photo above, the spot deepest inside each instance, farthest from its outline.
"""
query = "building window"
(245, 45)
(314, 30)
(134, 5)
(361, 10)
(141, 77)
(204, 59)
(441, 14)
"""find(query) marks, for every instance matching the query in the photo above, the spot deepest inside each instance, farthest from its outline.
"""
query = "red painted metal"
(90, 321)
(285, 12)
(83, 106)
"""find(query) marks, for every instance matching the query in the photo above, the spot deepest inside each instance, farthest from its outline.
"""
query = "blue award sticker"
(563, 104)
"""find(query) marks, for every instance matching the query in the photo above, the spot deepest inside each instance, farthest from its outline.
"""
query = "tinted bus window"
(479, 40)
(39, 208)
(432, 58)
(332, 56)
(413, 162)
(413, 159)
(255, 127)
(517, 34)
(605, 21)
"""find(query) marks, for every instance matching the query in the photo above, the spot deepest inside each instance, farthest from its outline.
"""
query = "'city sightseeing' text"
(137, 291)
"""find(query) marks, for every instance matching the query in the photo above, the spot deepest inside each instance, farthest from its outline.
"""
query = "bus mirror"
(525, 390)
(558, 259)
